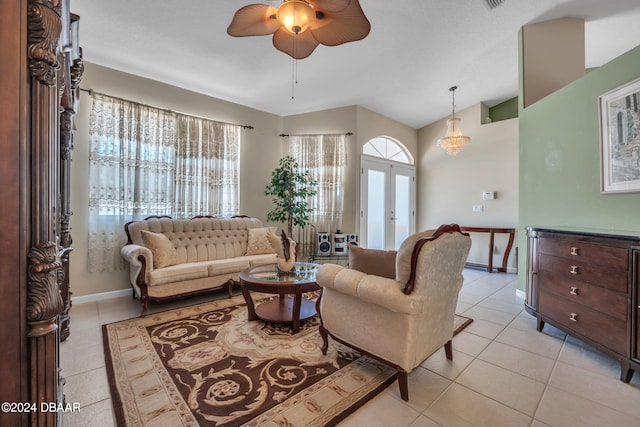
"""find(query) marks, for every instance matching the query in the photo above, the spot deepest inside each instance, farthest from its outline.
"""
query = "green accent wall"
(504, 111)
(559, 158)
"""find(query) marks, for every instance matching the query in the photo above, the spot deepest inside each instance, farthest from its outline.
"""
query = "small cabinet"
(583, 283)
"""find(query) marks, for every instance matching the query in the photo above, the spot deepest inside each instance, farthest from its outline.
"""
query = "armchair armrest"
(386, 293)
(134, 254)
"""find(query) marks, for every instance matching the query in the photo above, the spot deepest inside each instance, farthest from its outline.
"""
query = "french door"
(387, 203)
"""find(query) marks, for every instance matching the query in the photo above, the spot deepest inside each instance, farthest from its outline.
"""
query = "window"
(387, 148)
(325, 158)
(149, 161)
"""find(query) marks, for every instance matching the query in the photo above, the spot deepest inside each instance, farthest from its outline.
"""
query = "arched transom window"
(387, 148)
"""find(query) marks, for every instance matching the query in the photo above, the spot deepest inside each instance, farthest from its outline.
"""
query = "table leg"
(491, 240)
(251, 308)
(295, 315)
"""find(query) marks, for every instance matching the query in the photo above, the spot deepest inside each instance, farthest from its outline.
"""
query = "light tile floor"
(503, 373)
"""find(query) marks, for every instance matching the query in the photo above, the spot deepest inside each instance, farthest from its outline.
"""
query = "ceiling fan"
(299, 26)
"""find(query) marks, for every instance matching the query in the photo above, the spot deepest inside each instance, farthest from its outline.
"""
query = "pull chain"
(294, 77)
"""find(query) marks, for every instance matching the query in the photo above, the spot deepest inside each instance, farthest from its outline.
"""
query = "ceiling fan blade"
(298, 46)
(253, 20)
(335, 28)
(330, 5)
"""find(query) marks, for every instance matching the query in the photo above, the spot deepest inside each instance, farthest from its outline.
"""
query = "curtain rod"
(315, 134)
(92, 92)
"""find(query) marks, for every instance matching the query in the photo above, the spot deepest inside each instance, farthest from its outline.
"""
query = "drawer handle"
(573, 317)
(574, 269)
(574, 290)
(574, 251)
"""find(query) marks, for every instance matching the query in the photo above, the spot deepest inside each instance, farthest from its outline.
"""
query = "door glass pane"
(402, 209)
(376, 211)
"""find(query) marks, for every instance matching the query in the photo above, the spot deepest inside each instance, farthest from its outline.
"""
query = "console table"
(492, 232)
(585, 282)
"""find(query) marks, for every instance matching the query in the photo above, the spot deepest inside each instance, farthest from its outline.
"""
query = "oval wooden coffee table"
(291, 306)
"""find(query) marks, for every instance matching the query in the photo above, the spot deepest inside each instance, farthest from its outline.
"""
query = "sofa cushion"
(178, 273)
(373, 261)
(164, 253)
(258, 243)
(264, 259)
(225, 266)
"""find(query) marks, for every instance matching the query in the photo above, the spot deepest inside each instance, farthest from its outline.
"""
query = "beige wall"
(554, 56)
(261, 149)
(448, 186)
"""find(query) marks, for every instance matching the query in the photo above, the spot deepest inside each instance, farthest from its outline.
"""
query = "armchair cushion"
(163, 251)
(373, 261)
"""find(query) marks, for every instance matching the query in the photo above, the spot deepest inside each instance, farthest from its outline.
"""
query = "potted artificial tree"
(290, 189)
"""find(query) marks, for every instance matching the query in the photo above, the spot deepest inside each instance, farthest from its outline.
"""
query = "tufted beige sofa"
(191, 255)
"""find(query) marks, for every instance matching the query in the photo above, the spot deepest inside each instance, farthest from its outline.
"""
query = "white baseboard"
(101, 296)
(521, 294)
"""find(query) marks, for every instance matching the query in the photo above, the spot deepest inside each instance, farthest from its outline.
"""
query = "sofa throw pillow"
(373, 261)
(164, 254)
(258, 243)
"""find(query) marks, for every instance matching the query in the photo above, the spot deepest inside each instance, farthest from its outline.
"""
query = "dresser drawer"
(605, 330)
(578, 269)
(609, 257)
(600, 299)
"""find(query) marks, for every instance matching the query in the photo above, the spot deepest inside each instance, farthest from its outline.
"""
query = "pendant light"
(453, 141)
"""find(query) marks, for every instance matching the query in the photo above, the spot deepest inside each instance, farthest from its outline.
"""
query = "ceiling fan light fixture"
(296, 15)
(298, 26)
(453, 141)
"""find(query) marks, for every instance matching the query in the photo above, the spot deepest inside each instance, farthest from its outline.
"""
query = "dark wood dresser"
(585, 283)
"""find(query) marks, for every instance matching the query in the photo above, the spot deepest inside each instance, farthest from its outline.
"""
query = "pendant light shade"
(295, 16)
(454, 140)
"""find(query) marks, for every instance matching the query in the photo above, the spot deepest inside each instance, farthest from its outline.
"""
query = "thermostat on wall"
(488, 195)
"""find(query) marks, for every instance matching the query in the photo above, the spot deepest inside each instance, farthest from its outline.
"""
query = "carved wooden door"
(39, 92)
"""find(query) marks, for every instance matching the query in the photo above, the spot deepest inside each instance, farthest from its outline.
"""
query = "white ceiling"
(416, 50)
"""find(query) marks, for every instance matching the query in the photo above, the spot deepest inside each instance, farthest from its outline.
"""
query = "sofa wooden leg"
(448, 350)
(143, 303)
(230, 284)
(325, 339)
(403, 382)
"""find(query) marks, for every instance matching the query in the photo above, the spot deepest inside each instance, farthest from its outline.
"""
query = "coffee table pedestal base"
(281, 310)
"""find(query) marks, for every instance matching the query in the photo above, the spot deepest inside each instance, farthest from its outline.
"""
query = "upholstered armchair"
(401, 319)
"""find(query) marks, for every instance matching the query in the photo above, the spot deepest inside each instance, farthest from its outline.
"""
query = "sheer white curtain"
(131, 168)
(148, 161)
(207, 176)
(325, 157)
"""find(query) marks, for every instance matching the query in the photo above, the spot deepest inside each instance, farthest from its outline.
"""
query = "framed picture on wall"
(620, 138)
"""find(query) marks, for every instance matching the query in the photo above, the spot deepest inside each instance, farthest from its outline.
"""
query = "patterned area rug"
(208, 365)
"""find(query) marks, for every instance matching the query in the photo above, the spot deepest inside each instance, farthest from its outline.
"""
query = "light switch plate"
(488, 195)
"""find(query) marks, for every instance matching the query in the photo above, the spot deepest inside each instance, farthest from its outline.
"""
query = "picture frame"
(620, 138)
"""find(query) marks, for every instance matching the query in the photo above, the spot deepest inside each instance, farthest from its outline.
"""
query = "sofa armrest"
(377, 290)
(133, 254)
